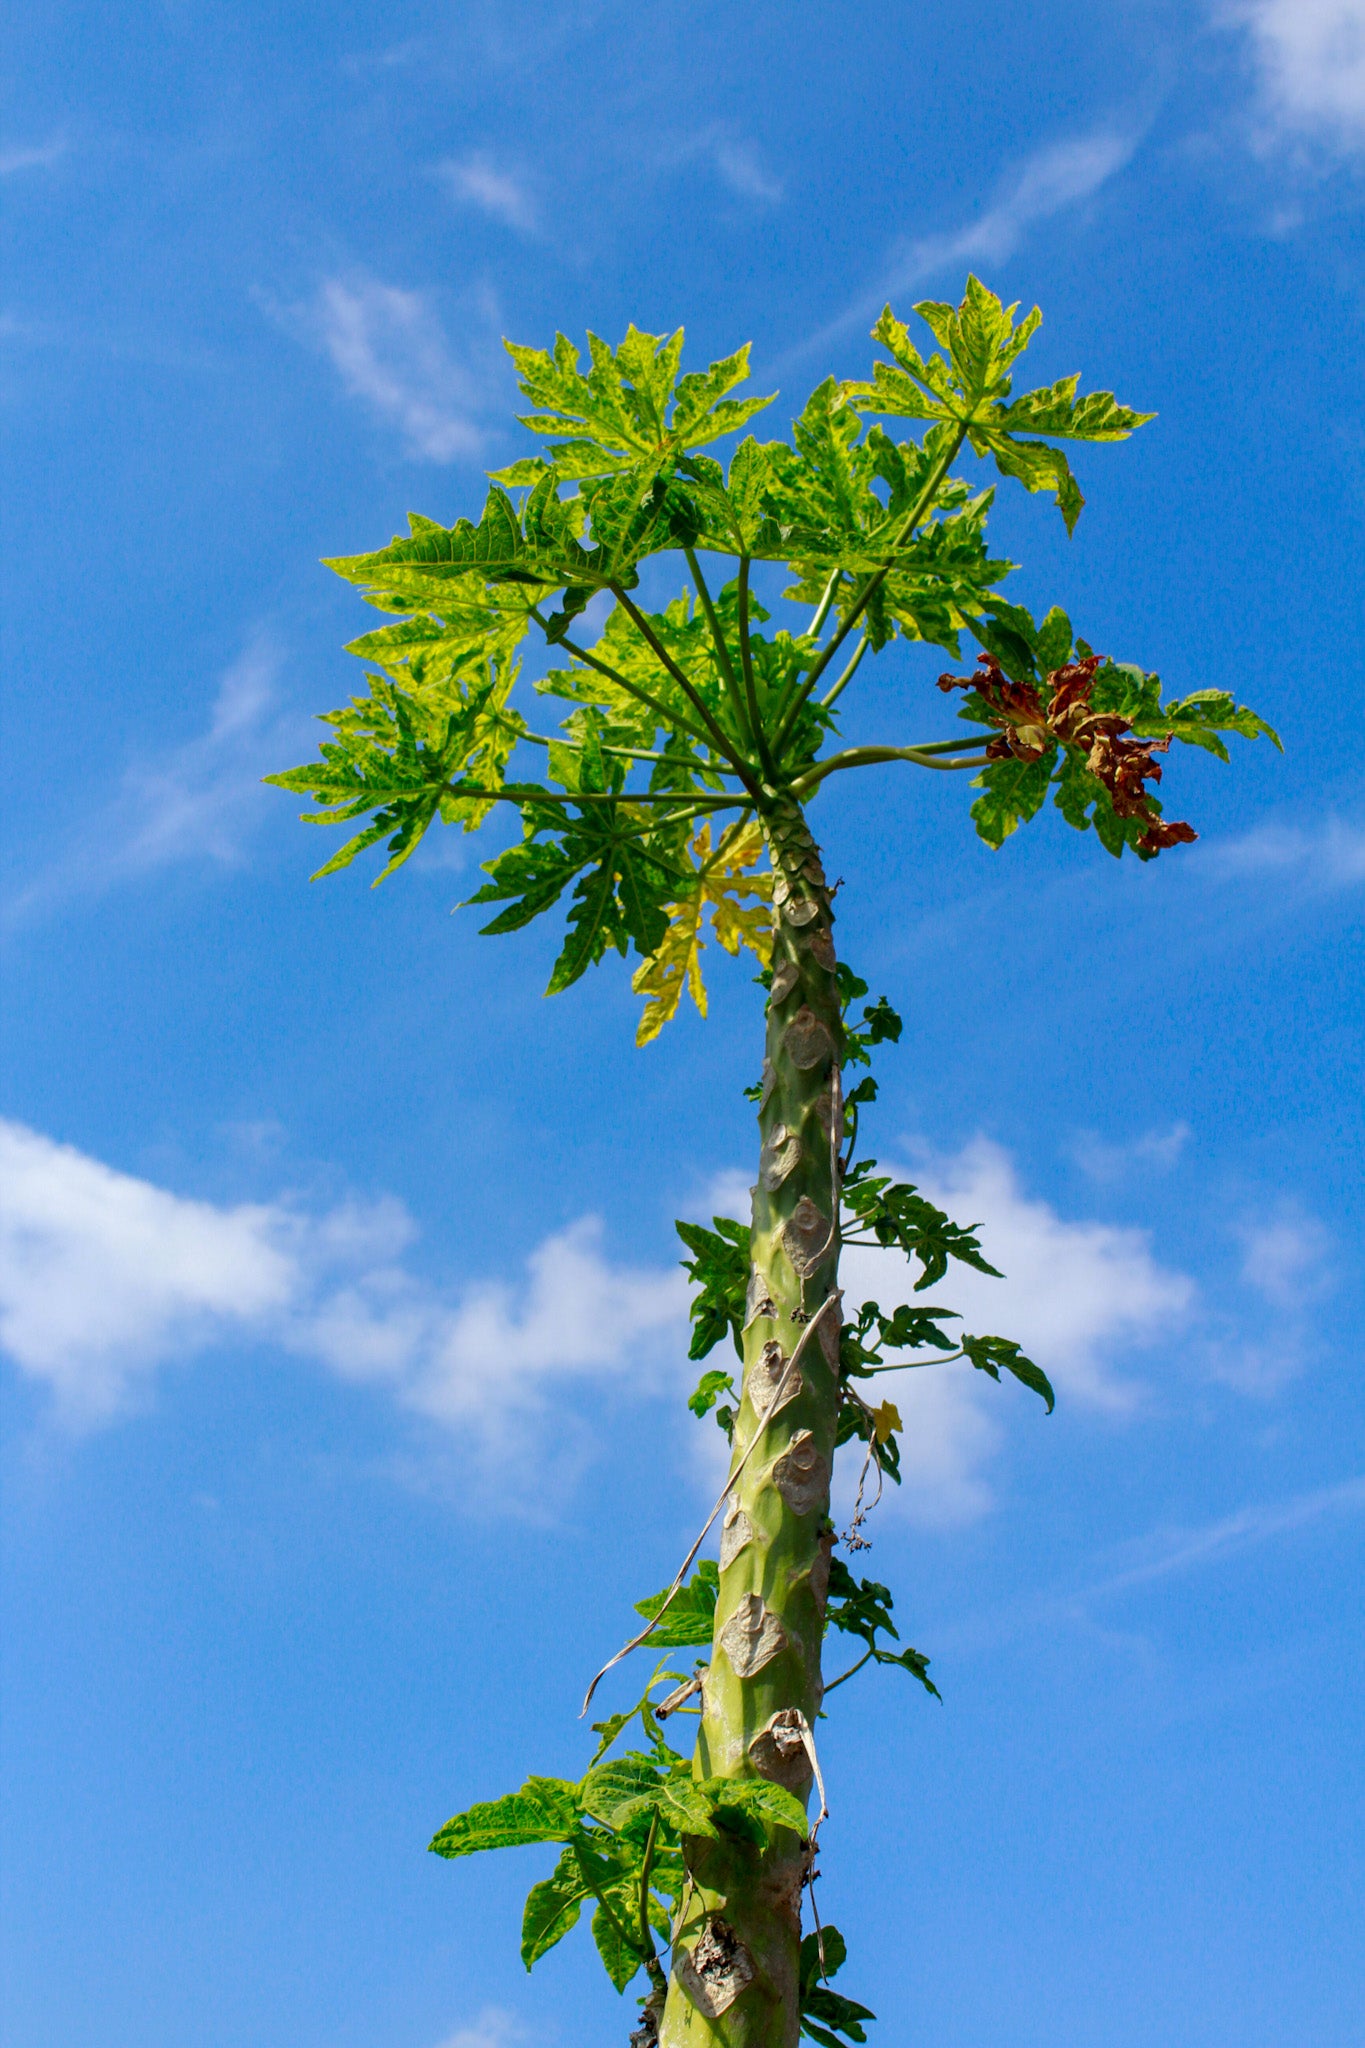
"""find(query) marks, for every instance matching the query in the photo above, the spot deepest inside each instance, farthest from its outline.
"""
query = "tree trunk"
(734, 1982)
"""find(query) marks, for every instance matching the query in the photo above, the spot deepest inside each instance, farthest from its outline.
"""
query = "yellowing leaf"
(723, 878)
(885, 1421)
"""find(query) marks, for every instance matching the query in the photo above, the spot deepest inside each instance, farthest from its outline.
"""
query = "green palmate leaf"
(622, 863)
(707, 1392)
(719, 1267)
(862, 1608)
(880, 1024)
(812, 1967)
(827, 2014)
(869, 1334)
(691, 1612)
(859, 1607)
(614, 1791)
(631, 408)
(994, 1354)
(478, 624)
(971, 392)
(688, 1807)
(1197, 720)
(552, 1908)
(545, 1810)
(405, 758)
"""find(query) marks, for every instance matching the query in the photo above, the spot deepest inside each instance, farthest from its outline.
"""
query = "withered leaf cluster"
(1031, 719)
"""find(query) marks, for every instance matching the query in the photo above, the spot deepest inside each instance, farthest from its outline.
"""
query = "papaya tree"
(668, 804)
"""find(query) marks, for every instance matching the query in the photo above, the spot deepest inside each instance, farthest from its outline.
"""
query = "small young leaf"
(620, 1954)
(545, 1810)
(691, 1612)
(552, 1908)
(991, 1354)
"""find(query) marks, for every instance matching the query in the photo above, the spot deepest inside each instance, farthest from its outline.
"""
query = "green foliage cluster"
(680, 715)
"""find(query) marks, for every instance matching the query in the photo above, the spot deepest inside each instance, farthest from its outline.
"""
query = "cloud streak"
(1326, 857)
(196, 802)
(34, 156)
(390, 349)
(1051, 181)
(391, 352)
(478, 181)
(1173, 1551)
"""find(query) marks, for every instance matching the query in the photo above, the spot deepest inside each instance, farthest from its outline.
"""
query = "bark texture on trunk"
(734, 1981)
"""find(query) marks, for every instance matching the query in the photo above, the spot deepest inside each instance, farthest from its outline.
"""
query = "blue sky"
(342, 1327)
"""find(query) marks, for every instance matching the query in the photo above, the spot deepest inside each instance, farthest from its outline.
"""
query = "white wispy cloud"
(1106, 1161)
(1285, 1257)
(1053, 180)
(197, 801)
(32, 156)
(391, 351)
(104, 1277)
(735, 158)
(1169, 1552)
(1325, 856)
(493, 2028)
(491, 187)
(1310, 61)
(739, 164)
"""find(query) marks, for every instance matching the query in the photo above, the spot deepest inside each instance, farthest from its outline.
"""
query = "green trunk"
(734, 1978)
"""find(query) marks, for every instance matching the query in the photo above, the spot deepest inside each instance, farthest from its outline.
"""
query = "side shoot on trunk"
(673, 797)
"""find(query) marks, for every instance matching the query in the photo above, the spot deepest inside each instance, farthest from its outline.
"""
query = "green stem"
(922, 505)
(511, 794)
(821, 612)
(719, 738)
(746, 655)
(540, 739)
(947, 746)
(646, 1868)
(726, 666)
(871, 757)
(763, 1678)
(906, 1364)
(852, 1672)
(846, 678)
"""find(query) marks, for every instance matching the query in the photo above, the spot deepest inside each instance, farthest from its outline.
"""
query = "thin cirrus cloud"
(199, 801)
(493, 2028)
(478, 181)
(107, 1281)
(738, 162)
(1054, 179)
(390, 349)
(1310, 62)
(1322, 858)
(31, 156)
